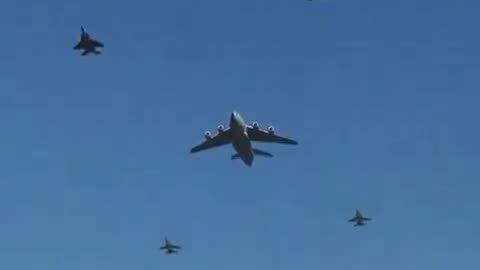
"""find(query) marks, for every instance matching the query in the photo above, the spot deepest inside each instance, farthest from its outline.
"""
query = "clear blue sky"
(94, 151)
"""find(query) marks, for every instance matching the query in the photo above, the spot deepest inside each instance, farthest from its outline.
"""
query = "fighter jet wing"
(163, 247)
(175, 246)
(221, 138)
(353, 219)
(261, 135)
(78, 46)
(96, 43)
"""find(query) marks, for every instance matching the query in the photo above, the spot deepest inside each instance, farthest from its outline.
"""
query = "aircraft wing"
(96, 43)
(261, 135)
(221, 138)
(163, 247)
(175, 246)
(353, 219)
(78, 46)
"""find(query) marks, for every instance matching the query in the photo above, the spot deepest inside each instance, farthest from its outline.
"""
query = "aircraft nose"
(233, 116)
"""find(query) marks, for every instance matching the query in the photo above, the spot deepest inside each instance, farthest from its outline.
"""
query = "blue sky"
(382, 96)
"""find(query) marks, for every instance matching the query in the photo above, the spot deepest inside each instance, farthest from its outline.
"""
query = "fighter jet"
(87, 44)
(240, 136)
(169, 247)
(359, 219)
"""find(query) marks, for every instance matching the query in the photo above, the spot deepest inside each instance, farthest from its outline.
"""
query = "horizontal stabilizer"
(256, 152)
(261, 153)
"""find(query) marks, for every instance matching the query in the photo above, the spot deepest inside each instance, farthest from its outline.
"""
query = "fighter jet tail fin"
(256, 152)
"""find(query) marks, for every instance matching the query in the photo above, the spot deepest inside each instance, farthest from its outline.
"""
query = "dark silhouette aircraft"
(359, 219)
(240, 136)
(88, 44)
(169, 247)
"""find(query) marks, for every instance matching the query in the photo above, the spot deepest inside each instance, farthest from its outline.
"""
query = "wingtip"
(292, 142)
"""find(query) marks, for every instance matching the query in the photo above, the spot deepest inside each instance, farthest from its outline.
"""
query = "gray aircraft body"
(359, 219)
(169, 247)
(240, 135)
(88, 44)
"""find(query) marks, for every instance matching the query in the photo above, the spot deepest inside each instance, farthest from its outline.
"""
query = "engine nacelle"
(271, 130)
(255, 125)
(220, 128)
(207, 135)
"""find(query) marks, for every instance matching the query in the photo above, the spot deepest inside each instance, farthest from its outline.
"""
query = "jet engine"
(220, 128)
(207, 135)
(271, 129)
(255, 125)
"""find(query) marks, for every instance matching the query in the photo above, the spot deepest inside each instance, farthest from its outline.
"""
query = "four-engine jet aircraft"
(169, 247)
(359, 219)
(87, 44)
(240, 136)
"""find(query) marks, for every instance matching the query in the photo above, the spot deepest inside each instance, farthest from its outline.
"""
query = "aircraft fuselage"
(171, 251)
(240, 141)
(360, 222)
(89, 47)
